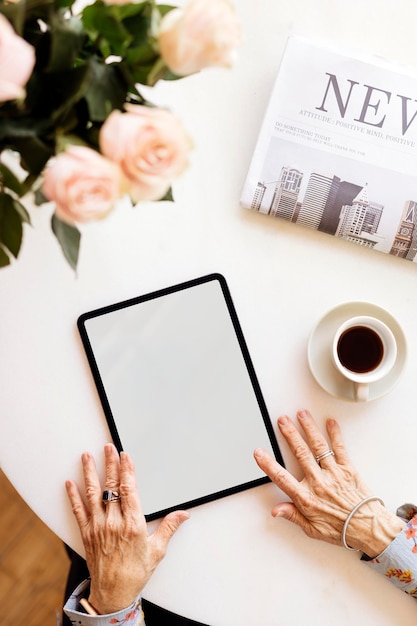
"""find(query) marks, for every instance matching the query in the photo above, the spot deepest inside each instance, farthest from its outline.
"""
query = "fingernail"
(259, 453)
(302, 414)
(126, 459)
(283, 420)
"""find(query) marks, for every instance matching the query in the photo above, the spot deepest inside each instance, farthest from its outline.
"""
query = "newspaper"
(337, 149)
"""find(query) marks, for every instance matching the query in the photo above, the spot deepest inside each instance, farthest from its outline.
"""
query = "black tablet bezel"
(248, 362)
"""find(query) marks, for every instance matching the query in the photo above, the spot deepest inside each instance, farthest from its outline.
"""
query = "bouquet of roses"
(72, 115)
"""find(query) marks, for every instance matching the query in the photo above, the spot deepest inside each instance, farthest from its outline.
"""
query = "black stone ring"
(110, 496)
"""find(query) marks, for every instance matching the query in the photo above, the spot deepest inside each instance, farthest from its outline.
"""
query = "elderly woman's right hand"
(121, 555)
(323, 499)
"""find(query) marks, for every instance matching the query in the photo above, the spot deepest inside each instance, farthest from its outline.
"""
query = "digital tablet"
(179, 393)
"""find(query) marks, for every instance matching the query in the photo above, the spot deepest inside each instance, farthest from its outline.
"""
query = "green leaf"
(164, 8)
(157, 72)
(69, 239)
(40, 198)
(64, 3)
(143, 54)
(105, 28)
(34, 152)
(15, 13)
(139, 73)
(31, 137)
(21, 211)
(106, 91)
(51, 98)
(9, 180)
(140, 24)
(4, 257)
(168, 197)
(11, 230)
(149, 73)
(67, 38)
(171, 76)
(131, 9)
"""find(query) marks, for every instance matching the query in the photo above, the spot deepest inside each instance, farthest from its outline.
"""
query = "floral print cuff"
(398, 561)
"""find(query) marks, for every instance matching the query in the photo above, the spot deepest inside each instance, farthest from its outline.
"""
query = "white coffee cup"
(364, 351)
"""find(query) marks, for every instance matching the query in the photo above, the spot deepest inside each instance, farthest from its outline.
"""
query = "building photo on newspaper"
(337, 148)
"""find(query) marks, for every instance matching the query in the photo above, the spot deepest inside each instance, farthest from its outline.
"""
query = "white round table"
(231, 563)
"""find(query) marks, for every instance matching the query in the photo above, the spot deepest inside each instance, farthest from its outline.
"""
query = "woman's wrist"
(106, 603)
(373, 528)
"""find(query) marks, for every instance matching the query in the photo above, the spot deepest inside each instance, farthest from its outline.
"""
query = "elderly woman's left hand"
(329, 491)
(121, 555)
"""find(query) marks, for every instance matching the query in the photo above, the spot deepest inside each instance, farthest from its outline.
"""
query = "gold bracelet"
(351, 514)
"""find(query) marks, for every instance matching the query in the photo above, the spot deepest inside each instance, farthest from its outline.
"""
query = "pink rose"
(83, 184)
(150, 146)
(203, 34)
(17, 59)
(120, 2)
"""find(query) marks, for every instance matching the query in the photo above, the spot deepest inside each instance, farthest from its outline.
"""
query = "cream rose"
(205, 33)
(150, 146)
(83, 184)
(17, 59)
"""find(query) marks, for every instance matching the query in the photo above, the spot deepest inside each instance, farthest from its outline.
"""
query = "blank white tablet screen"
(180, 394)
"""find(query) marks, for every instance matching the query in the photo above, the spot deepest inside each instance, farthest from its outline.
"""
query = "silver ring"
(323, 455)
(110, 496)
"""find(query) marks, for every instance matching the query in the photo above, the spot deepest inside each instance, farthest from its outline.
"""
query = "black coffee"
(360, 349)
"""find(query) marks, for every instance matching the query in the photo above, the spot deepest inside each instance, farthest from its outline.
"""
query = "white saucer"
(319, 351)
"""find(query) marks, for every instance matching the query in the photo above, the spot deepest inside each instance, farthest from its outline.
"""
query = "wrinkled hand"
(323, 499)
(121, 555)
